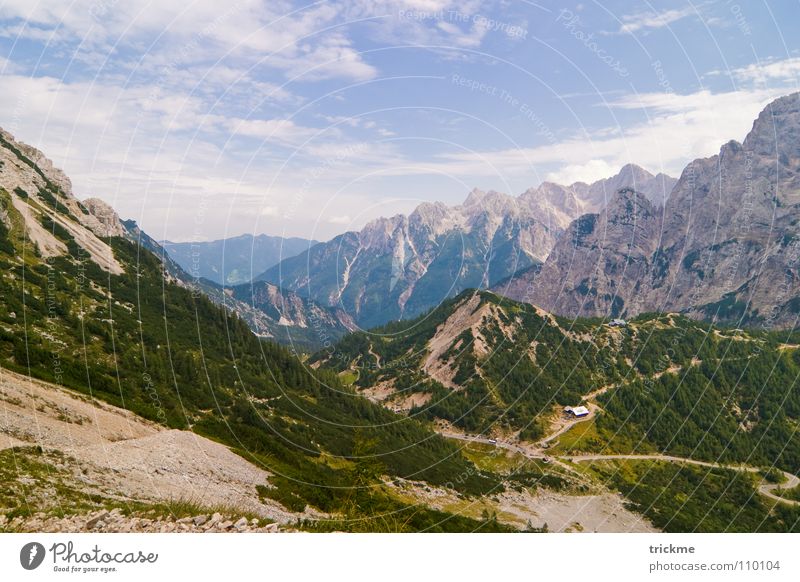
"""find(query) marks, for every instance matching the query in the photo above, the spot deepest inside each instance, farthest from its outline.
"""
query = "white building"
(577, 411)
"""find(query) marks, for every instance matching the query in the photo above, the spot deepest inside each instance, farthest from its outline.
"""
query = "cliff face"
(730, 245)
(597, 266)
(725, 245)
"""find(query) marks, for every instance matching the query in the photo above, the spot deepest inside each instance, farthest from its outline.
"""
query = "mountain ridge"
(234, 260)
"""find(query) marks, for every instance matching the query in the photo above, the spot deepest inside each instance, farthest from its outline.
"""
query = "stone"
(97, 520)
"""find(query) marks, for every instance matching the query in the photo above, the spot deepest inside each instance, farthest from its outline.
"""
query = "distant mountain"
(235, 260)
(272, 313)
(285, 316)
(563, 204)
(724, 246)
(402, 266)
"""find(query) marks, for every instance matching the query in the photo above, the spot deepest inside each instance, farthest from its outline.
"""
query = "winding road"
(766, 489)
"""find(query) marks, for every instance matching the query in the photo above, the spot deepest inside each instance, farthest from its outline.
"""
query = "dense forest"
(673, 384)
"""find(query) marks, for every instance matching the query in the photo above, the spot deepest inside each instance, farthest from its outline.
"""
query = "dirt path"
(766, 489)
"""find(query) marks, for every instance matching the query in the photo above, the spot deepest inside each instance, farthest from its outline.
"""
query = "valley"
(404, 388)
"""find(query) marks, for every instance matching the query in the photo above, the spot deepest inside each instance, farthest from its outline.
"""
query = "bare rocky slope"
(100, 457)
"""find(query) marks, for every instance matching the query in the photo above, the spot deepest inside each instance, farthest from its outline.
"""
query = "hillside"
(486, 365)
(100, 457)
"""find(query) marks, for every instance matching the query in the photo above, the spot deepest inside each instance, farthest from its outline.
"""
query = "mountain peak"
(776, 128)
(474, 197)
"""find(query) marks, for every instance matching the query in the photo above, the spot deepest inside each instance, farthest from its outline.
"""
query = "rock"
(97, 521)
(199, 520)
(715, 249)
(102, 219)
(241, 524)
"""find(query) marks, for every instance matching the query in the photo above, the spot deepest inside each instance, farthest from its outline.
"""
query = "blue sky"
(205, 119)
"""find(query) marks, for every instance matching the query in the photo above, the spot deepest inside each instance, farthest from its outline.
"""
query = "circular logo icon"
(31, 555)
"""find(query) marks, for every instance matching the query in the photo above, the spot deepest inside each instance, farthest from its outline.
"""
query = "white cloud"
(270, 211)
(652, 20)
(340, 220)
(309, 42)
(588, 172)
(676, 130)
(764, 72)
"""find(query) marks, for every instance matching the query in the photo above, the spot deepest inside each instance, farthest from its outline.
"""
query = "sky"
(205, 119)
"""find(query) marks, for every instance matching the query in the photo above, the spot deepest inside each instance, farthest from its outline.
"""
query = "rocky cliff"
(724, 247)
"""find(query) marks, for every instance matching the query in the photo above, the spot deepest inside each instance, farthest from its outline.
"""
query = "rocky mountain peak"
(776, 129)
(474, 197)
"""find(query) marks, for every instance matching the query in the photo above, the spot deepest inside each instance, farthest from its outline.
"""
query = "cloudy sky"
(204, 119)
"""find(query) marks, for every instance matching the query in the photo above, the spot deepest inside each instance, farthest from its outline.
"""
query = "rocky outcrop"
(115, 521)
(102, 219)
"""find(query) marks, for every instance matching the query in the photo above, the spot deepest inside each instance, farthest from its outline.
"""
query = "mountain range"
(402, 266)
(234, 260)
(462, 418)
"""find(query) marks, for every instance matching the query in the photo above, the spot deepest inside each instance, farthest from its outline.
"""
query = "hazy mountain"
(402, 266)
(271, 312)
(235, 260)
(559, 205)
(724, 246)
